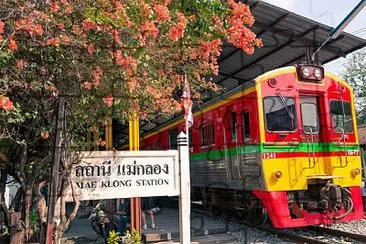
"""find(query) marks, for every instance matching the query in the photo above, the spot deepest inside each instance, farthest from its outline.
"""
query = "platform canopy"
(284, 35)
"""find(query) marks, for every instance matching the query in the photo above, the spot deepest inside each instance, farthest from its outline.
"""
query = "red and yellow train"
(284, 145)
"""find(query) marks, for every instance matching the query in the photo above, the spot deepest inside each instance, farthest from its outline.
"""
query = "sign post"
(134, 174)
(60, 124)
(185, 190)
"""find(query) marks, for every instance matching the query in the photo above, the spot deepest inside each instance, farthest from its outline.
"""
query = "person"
(147, 206)
(124, 215)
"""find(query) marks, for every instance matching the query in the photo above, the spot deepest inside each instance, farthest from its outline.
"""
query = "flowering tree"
(109, 58)
(355, 74)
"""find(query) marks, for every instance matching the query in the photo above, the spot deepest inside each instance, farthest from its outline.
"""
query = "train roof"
(284, 35)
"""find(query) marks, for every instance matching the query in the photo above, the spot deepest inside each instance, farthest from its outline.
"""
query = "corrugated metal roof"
(284, 35)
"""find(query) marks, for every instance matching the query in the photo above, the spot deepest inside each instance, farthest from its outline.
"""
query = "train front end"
(309, 148)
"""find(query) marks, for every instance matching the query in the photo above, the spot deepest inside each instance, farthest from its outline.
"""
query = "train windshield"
(280, 113)
(341, 116)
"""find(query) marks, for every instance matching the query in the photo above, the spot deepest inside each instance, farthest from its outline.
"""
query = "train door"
(311, 126)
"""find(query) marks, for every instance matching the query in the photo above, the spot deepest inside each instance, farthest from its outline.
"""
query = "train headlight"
(317, 73)
(277, 174)
(305, 72)
(356, 172)
(309, 73)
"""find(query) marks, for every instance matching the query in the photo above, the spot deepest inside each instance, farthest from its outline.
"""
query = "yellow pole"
(134, 142)
(111, 205)
(108, 135)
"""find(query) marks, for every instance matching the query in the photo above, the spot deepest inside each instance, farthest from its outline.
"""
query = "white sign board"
(125, 174)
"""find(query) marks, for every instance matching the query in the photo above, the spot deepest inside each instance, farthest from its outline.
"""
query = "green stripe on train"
(250, 149)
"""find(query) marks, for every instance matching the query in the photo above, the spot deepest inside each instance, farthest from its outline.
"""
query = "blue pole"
(336, 31)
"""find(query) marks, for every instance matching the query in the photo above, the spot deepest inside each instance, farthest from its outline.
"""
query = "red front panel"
(276, 204)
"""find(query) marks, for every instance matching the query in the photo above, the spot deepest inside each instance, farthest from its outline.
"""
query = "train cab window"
(341, 115)
(246, 127)
(309, 116)
(207, 135)
(280, 114)
(234, 132)
(173, 139)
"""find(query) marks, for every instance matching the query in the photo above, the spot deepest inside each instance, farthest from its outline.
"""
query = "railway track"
(339, 233)
(285, 235)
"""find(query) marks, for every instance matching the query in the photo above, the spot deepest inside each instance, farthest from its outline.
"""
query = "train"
(282, 146)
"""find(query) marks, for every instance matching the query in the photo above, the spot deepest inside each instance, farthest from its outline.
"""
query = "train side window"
(173, 139)
(341, 116)
(280, 114)
(234, 132)
(246, 125)
(207, 135)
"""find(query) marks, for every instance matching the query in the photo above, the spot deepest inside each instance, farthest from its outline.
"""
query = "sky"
(331, 13)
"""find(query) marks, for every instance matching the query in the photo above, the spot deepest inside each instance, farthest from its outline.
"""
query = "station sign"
(125, 174)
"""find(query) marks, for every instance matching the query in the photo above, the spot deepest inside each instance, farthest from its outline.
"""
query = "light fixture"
(277, 174)
(317, 73)
(305, 71)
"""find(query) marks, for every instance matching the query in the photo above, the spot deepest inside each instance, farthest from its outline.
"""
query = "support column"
(134, 143)
(110, 204)
(185, 189)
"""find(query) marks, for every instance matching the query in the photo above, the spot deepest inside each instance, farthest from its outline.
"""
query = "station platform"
(204, 230)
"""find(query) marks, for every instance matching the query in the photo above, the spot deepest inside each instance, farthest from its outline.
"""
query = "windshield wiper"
(284, 104)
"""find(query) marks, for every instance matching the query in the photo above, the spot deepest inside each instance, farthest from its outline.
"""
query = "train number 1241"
(268, 155)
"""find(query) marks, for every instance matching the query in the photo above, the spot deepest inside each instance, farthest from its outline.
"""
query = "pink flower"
(1, 27)
(162, 12)
(87, 85)
(108, 100)
(118, 5)
(38, 29)
(69, 9)
(149, 29)
(6, 104)
(128, 63)
(176, 32)
(64, 39)
(54, 7)
(241, 12)
(52, 41)
(12, 44)
(133, 84)
(89, 24)
(116, 36)
(91, 49)
(97, 74)
(21, 64)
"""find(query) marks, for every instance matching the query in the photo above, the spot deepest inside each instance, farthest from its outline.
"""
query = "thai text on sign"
(109, 175)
